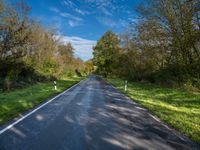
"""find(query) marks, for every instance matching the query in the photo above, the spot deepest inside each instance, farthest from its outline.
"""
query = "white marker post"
(55, 85)
(125, 87)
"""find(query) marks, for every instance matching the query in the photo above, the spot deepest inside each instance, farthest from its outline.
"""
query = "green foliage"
(106, 52)
(89, 67)
(11, 76)
(50, 67)
(14, 32)
(78, 73)
(13, 103)
(30, 53)
(180, 109)
(162, 47)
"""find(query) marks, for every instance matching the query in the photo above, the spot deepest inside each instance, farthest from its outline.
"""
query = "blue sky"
(83, 22)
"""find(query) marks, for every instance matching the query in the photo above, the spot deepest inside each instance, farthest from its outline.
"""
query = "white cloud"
(54, 9)
(73, 20)
(73, 23)
(79, 11)
(106, 21)
(107, 7)
(72, 5)
(70, 16)
(68, 3)
(110, 7)
(83, 47)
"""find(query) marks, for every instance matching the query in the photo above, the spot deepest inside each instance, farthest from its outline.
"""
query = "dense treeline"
(29, 52)
(162, 47)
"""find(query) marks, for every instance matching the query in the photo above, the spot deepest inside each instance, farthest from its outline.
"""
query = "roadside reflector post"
(55, 87)
(126, 84)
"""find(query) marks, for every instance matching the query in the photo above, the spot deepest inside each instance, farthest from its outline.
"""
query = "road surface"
(92, 115)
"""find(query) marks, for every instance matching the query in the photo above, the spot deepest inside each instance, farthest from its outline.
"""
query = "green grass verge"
(14, 103)
(180, 109)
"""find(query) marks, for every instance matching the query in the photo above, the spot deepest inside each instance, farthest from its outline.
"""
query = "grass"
(180, 109)
(14, 103)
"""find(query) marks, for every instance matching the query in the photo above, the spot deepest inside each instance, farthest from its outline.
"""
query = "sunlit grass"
(180, 109)
(13, 103)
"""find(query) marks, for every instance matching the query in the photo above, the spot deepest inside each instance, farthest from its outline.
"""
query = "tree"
(106, 52)
(15, 32)
(1, 6)
(14, 40)
(179, 20)
(29, 52)
(66, 51)
(89, 67)
(163, 46)
(64, 57)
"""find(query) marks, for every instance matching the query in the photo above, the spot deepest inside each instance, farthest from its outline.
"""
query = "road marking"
(33, 111)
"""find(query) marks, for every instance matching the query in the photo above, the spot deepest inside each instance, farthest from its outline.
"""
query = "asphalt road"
(92, 116)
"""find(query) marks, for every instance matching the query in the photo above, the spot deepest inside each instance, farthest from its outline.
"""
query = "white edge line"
(33, 111)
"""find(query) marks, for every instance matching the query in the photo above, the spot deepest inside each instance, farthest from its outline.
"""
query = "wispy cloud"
(73, 20)
(57, 23)
(104, 11)
(83, 47)
(73, 23)
(54, 9)
(72, 5)
(79, 11)
(106, 7)
(68, 3)
(67, 15)
(109, 22)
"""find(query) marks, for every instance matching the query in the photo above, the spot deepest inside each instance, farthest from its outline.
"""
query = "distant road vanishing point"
(92, 115)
